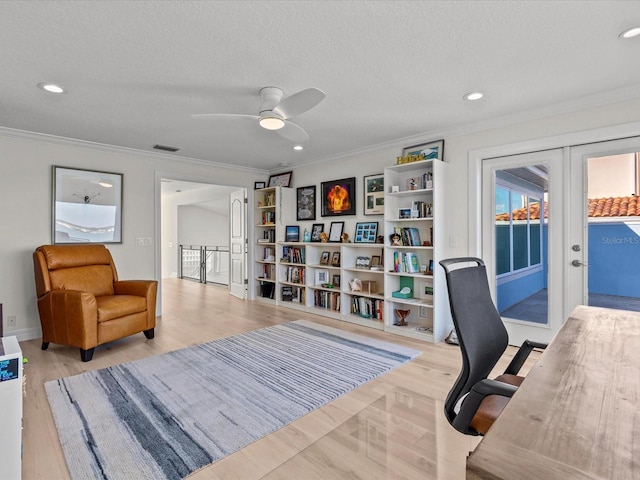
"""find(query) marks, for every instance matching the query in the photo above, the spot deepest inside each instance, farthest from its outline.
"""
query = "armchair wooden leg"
(45, 345)
(86, 355)
(149, 333)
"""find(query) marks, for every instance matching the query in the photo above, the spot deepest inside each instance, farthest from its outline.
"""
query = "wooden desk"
(577, 414)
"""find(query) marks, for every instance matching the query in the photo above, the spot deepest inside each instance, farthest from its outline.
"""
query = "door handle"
(578, 263)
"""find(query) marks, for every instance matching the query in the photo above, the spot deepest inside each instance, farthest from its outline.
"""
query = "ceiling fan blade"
(299, 103)
(293, 132)
(213, 115)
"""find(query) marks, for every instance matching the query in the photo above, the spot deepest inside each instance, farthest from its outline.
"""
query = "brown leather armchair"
(83, 304)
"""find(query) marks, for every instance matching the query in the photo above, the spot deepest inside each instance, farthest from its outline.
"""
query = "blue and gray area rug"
(167, 416)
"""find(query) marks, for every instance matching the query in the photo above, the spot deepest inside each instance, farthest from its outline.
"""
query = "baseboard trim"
(24, 334)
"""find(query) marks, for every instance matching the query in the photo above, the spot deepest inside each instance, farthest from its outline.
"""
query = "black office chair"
(475, 401)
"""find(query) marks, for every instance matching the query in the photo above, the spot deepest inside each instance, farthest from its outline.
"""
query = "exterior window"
(518, 229)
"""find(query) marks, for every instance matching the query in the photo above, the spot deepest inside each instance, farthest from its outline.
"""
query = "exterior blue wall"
(614, 265)
(614, 260)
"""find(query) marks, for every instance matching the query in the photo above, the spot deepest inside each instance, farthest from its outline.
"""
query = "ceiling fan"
(275, 112)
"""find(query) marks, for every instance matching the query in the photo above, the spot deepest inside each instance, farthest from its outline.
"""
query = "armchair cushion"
(115, 306)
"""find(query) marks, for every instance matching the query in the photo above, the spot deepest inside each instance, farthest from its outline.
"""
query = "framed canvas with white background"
(335, 231)
(322, 276)
(86, 206)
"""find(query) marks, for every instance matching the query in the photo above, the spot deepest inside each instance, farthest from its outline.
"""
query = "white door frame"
(476, 158)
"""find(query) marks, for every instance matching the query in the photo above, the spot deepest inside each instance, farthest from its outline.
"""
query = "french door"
(558, 231)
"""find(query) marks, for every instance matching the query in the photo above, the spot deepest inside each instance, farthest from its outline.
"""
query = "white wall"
(25, 190)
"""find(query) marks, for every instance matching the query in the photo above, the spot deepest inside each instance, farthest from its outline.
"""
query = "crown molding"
(73, 142)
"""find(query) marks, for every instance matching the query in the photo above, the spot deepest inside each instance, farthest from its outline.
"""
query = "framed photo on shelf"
(425, 290)
(366, 232)
(322, 276)
(87, 206)
(324, 258)
(259, 185)
(335, 232)
(363, 262)
(375, 260)
(280, 179)
(338, 197)
(335, 259)
(430, 151)
(316, 230)
(306, 203)
(374, 194)
(335, 281)
(292, 233)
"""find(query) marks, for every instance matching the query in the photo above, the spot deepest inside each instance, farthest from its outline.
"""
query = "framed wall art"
(374, 194)
(86, 206)
(426, 151)
(339, 197)
(316, 230)
(292, 233)
(306, 203)
(366, 232)
(280, 179)
(259, 185)
(335, 231)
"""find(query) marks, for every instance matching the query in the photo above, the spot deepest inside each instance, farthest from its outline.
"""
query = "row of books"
(268, 218)
(292, 294)
(295, 275)
(409, 236)
(267, 289)
(269, 271)
(367, 307)
(328, 300)
(292, 254)
(268, 236)
(406, 262)
(420, 209)
(269, 254)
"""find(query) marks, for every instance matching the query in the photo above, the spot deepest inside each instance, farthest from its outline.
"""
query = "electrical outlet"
(11, 320)
(423, 312)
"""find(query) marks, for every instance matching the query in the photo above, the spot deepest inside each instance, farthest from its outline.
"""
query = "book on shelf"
(292, 254)
(367, 307)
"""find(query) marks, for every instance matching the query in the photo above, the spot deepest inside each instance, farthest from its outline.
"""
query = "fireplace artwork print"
(339, 197)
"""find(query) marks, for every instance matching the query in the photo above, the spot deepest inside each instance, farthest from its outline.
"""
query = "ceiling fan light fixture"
(271, 121)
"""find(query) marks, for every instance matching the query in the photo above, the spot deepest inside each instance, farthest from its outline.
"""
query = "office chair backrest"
(481, 333)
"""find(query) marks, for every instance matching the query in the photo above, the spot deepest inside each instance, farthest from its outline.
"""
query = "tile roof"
(598, 208)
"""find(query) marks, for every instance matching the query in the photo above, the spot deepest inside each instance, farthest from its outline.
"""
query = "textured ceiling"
(136, 71)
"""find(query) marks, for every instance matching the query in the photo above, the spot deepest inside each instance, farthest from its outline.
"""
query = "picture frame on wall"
(306, 203)
(373, 194)
(292, 233)
(316, 230)
(335, 232)
(86, 206)
(259, 185)
(431, 151)
(338, 197)
(366, 232)
(280, 179)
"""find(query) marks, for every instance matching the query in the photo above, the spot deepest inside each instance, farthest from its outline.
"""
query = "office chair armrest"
(474, 398)
(521, 356)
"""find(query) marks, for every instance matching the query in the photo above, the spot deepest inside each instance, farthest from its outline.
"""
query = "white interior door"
(604, 248)
(237, 244)
(523, 250)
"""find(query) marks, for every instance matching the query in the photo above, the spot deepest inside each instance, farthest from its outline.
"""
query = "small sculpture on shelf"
(394, 239)
(324, 238)
(344, 238)
(402, 314)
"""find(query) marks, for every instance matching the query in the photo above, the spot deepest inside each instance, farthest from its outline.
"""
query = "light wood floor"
(391, 428)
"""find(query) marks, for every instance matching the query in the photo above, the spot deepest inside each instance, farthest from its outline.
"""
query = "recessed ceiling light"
(630, 32)
(51, 87)
(298, 147)
(474, 96)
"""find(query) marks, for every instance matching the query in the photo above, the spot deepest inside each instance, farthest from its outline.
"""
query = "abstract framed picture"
(430, 151)
(306, 203)
(366, 232)
(86, 206)
(339, 197)
(280, 180)
(292, 233)
(374, 194)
